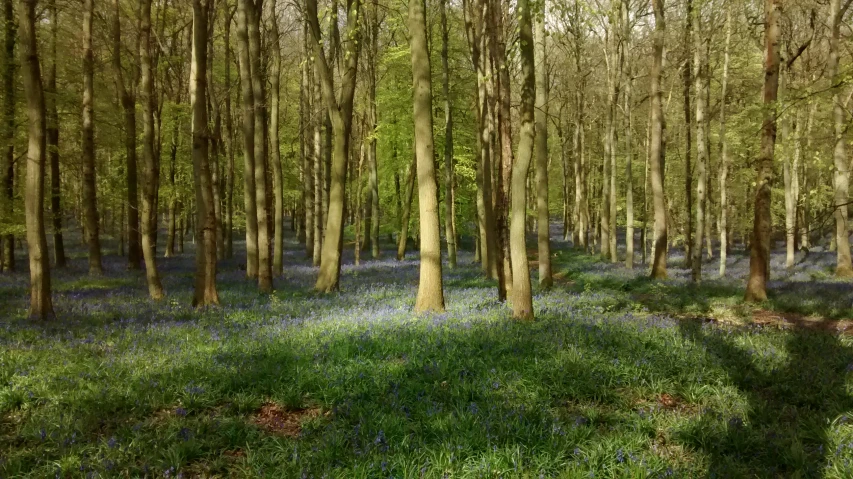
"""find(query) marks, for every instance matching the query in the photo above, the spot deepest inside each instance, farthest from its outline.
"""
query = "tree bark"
(275, 160)
(41, 305)
(522, 300)
(127, 94)
(759, 258)
(340, 112)
(656, 156)
(60, 260)
(248, 121)
(229, 137)
(205, 276)
(700, 70)
(90, 202)
(7, 181)
(430, 287)
(724, 151)
(841, 174)
(688, 139)
(541, 118)
(629, 147)
(449, 221)
(373, 177)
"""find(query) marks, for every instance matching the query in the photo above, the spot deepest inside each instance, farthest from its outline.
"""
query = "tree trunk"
(700, 70)
(541, 118)
(278, 178)
(430, 288)
(205, 276)
(522, 300)
(308, 142)
(53, 143)
(724, 151)
(759, 258)
(656, 151)
(503, 157)
(319, 181)
(128, 102)
(449, 221)
(407, 210)
(629, 147)
(90, 203)
(229, 136)
(359, 205)
(7, 181)
(149, 167)
(688, 139)
(841, 174)
(41, 305)
(340, 113)
(247, 98)
(253, 16)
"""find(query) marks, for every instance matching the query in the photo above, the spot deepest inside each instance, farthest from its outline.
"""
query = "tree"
(248, 123)
(841, 174)
(60, 260)
(278, 178)
(150, 176)
(724, 150)
(541, 118)
(90, 202)
(759, 254)
(340, 112)
(205, 275)
(127, 95)
(656, 153)
(522, 300)
(449, 222)
(41, 305)
(700, 74)
(430, 288)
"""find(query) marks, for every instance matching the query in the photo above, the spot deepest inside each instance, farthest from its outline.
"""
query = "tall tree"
(41, 305)
(629, 146)
(759, 254)
(522, 300)
(340, 112)
(841, 174)
(430, 287)
(449, 223)
(688, 136)
(149, 162)
(407, 209)
(248, 123)
(541, 117)
(253, 13)
(275, 159)
(724, 150)
(205, 276)
(127, 93)
(700, 74)
(656, 152)
(373, 176)
(229, 137)
(53, 141)
(90, 202)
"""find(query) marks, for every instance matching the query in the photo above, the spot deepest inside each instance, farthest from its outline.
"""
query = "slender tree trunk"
(805, 240)
(407, 210)
(205, 275)
(7, 242)
(128, 102)
(629, 147)
(229, 136)
(340, 112)
(656, 159)
(41, 305)
(247, 97)
(759, 258)
(308, 142)
(275, 78)
(688, 138)
(53, 143)
(90, 203)
(319, 181)
(449, 216)
(149, 167)
(522, 300)
(724, 151)
(700, 70)
(503, 158)
(541, 118)
(359, 205)
(841, 175)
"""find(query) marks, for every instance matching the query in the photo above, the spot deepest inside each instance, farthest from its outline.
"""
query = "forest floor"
(619, 376)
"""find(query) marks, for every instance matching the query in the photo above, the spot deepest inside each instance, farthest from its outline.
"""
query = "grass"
(612, 380)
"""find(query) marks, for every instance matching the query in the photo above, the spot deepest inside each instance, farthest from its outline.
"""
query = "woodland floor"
(619, 376)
